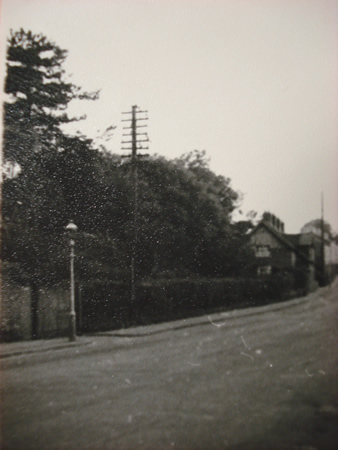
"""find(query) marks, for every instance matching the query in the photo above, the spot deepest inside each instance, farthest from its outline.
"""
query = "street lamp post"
(71, 228)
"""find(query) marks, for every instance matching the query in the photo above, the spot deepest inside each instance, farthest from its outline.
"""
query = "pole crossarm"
(137, 126)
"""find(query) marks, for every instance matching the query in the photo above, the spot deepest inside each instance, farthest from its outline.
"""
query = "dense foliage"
(184, 209)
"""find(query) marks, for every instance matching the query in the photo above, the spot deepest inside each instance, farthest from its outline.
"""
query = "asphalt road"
(264, 378)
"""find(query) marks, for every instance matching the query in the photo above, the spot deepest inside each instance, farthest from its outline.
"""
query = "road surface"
(254, 379)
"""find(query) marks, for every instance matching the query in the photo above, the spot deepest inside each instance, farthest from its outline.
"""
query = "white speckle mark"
(194, 364)
(217, 325)
(249, 356)
(127, 381)
(258, 352)
(245, 344)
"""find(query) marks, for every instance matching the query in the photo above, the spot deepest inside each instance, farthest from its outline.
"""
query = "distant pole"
(322, 248)
(134, 145)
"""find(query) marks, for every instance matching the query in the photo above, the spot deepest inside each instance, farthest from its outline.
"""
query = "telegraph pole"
(322, 244)
(134, 143)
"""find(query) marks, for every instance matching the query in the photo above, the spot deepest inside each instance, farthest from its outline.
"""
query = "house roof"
(293, 238)
(305, 239)
(275, 233)
(292, 241)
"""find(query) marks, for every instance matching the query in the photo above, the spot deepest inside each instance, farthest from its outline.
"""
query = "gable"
(262, 235)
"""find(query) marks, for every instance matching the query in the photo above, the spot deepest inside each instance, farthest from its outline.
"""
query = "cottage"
(278, 252)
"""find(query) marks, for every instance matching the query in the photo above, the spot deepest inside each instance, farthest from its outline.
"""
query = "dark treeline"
(184, 214)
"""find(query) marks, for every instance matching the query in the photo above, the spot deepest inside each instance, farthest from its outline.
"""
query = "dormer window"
(263, 251)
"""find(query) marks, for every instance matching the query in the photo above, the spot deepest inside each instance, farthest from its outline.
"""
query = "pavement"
(45, 345)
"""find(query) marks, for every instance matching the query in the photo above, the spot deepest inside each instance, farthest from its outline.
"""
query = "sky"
(251, 82)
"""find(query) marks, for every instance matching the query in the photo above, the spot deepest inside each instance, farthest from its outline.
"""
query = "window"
(264, 270)
(262, 251)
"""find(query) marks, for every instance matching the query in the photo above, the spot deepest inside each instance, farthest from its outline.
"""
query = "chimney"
(267, 217)
(278, 224)
(273, 220)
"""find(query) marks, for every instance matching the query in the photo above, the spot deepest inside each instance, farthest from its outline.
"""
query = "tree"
(34, 202)
(37, 96)
(185, 217)
(184, 221)
(317, 226)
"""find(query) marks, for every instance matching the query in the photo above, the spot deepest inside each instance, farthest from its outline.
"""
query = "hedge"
(107, 306)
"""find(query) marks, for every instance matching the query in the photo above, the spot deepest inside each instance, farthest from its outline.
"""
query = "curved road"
(250, 379)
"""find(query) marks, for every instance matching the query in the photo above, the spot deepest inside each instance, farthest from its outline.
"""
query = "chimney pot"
(273, 220)
(277, 224)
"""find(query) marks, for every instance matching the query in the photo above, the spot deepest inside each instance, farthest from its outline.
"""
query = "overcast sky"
(252, 82)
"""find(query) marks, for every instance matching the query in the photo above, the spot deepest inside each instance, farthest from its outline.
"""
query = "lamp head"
(71, 227)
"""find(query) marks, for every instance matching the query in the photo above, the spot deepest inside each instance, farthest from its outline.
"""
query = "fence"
(43, 312)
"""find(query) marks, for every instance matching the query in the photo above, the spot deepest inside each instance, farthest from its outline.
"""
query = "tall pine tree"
(37, 96)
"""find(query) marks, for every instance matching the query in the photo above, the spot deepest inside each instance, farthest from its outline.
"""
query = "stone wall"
(24, 319)
(15, 311)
